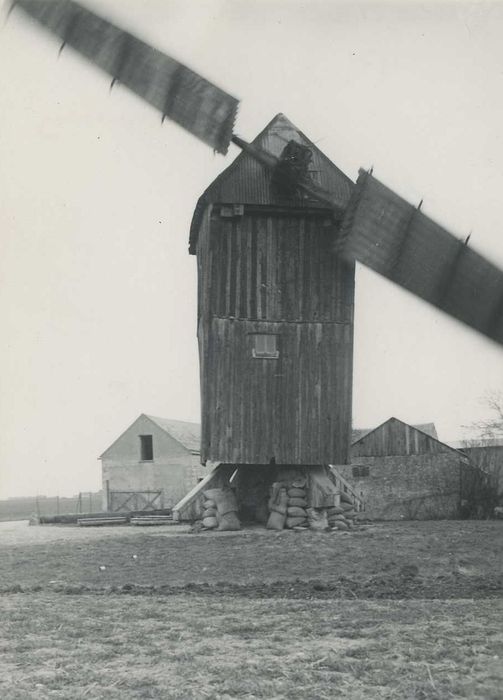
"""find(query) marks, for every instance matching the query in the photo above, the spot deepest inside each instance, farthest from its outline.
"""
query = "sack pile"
(297, 504)
(287, 505)
(278, 504)
(341, 517)
(220, 510)
(210, 520)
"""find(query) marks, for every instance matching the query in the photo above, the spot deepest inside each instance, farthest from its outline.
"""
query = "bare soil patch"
(439, 559)
(389, 612)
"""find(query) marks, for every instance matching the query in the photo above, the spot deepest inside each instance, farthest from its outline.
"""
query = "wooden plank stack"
(109, 520)
(149, 520)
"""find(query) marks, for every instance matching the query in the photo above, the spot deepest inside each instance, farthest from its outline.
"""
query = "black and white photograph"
(251, 301)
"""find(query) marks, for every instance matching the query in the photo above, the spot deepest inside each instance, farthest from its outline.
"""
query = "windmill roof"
(246, 181)
(188, 434)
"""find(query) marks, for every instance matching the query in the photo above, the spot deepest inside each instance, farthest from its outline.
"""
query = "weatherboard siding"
(267, 273)
(396, 438)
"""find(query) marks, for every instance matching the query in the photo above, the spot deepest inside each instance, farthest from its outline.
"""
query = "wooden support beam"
(190, 506)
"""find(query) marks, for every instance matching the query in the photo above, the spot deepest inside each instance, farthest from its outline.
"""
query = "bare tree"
(492, 426)
(485, 448)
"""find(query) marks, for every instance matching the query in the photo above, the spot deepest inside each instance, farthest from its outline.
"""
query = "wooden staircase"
(346, 490)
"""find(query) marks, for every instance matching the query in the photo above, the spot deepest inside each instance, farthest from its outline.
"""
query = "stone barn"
(151, 465)
(487, 454)
(402, 472)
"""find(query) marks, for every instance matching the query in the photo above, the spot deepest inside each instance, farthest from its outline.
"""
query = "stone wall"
(408, 487)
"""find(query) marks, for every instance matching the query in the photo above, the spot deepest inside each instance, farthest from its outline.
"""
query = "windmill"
(276, 347)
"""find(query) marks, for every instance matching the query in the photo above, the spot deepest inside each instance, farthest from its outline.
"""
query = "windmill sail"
(387, 234)
(176, 91)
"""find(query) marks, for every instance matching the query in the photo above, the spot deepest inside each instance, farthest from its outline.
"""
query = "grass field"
(407, 610)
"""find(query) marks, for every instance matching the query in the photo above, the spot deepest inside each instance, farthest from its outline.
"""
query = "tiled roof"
(188, 434)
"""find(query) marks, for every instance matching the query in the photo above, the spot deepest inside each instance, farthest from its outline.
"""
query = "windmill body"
(275, 317)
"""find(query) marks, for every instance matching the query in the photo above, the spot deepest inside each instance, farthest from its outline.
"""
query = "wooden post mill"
(275, 323)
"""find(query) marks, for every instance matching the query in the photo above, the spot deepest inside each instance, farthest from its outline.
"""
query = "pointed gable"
(394, 437)
(246, 181)
(173, 435)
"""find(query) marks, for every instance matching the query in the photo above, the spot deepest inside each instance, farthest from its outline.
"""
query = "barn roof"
(188, 434)
(359, 441)
(428, 428)
(246, 181)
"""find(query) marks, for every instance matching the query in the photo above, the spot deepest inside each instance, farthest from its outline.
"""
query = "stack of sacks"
(349, 513)
(336, 518)
(210, 514)
(297, 504)
(278, 504)
(226, 509)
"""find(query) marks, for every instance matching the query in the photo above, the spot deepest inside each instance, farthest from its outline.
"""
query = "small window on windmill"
(232, 211)
(146, 448)
(265, 346)
(360, 471)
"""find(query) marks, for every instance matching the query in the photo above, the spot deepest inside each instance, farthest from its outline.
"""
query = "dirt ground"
(207, 648)
(391, 611)
(433, 559)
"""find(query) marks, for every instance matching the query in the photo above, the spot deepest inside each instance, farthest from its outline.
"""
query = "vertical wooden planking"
(295, 408)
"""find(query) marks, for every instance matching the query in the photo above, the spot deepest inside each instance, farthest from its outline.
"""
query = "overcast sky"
(97, 291)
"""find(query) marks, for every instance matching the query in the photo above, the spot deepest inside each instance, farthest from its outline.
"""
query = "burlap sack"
(299, 483)
(340, 525)
(334, 510)
(294, 492)
(209, 504)
(295, 522)
(229, 521)
(296, 512)
(317, 518)
(278, 502)
(210, 523)
(226, 501)
(300, 502)
(333, 518)
(276, 521)
(210, 513)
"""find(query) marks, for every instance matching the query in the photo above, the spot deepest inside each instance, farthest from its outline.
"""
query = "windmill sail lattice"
(379, 229)
(392, 237)
(176, 91)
